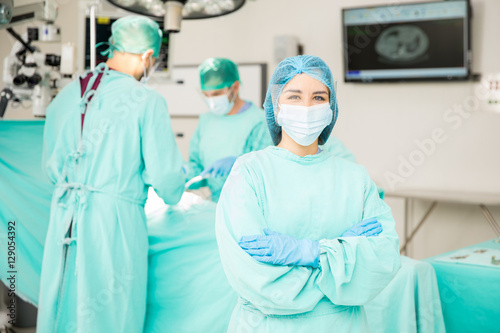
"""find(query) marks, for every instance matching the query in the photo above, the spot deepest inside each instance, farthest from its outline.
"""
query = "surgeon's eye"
(319, 98)
(293, 97)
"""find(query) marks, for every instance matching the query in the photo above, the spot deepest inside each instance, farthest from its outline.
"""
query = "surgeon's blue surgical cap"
(134, 34)
(312, 66)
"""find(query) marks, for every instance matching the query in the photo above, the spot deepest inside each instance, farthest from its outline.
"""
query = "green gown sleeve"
(352, 270)
(162, 158)
(194, 166)
(258, 139)
(355, 269)
(54, 122)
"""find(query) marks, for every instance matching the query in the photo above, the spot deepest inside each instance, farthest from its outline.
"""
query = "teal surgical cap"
(312, 66)
(218, 73)
(134, 34)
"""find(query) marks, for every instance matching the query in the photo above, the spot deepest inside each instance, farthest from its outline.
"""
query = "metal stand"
(408, 239)
(490, 220)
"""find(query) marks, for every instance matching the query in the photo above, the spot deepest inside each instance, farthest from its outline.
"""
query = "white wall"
(378, 122)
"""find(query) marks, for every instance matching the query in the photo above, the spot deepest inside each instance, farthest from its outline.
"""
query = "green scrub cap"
(134, 34)
(218, 73)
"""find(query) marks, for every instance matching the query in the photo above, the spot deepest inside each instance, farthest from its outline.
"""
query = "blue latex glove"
(219, 168)
(368, 228)
(279, 249)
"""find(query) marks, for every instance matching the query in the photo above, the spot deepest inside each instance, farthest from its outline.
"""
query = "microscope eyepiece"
(19, 79)
(34, 80)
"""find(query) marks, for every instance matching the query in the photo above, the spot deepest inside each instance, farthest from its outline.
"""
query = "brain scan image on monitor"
(402, 44)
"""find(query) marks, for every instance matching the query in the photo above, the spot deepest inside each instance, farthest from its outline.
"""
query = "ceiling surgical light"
(173, 11)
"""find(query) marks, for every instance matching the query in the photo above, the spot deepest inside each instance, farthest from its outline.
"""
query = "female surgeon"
(303, 236)
(232, 127)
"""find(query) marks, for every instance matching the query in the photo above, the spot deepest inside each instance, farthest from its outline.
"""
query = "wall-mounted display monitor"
(417, 41)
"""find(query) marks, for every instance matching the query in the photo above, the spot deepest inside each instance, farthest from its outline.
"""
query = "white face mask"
(304, 124)
(147, 74)
(220, 105)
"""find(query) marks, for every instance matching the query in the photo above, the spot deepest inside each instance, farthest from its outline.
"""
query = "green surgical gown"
(217, 137)
(94, 269)
(316, 197)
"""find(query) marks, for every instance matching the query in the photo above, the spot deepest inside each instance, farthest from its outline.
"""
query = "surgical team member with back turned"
(232, 127)
(107, 139)
(303, 236)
